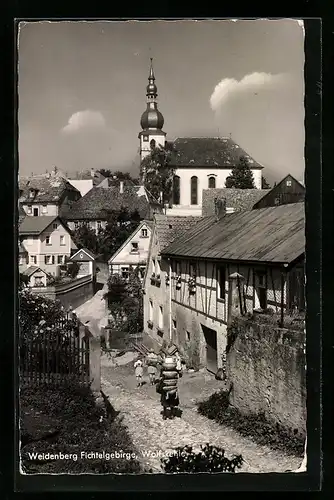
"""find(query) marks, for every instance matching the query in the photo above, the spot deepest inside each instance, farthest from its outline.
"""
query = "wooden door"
(211, 349)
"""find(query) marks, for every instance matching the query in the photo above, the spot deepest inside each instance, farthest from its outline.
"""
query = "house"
(199, 162)
(86, 261)
(85, 181)
(156, 285)
(37, 277)
(288, 190)
(94, 208)
(233, 264)
(133, 252)
(47, 196)
(47, 241)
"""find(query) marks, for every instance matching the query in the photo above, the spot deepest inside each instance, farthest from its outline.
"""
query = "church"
(199, 162)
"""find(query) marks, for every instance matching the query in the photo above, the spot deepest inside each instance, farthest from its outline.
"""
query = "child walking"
(139, 371)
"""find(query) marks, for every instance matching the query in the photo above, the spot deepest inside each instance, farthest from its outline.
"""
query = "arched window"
(176, 190)
(212, 182)
(152, 143)
(194, 190)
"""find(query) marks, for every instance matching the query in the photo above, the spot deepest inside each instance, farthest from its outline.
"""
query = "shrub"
(255, 426)
(83, 426)
(209, 459)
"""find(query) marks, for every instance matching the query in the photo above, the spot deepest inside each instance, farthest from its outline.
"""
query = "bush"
(83, 427)
(255, 426)
(209, 459)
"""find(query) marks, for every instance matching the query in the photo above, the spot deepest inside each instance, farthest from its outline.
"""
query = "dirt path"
(153, 436)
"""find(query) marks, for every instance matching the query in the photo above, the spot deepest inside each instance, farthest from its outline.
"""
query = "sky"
(82, 86)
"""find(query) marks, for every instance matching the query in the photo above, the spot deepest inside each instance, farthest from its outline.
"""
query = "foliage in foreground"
(208, 459)
(255, 426)
(82, 427)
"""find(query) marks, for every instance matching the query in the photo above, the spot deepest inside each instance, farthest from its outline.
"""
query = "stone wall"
(74, 294)
(266, 366)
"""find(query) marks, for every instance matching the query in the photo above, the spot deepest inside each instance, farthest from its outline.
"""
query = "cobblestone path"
(153, 436)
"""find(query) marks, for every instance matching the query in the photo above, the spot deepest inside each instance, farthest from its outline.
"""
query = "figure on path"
(167, 387)
(139, 371)
(152, 362)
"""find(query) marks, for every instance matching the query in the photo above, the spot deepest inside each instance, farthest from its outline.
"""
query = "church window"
(212, 182)
(194, 190)
(176, 190)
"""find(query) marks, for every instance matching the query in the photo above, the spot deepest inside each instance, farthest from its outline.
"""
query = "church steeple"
(152, 121)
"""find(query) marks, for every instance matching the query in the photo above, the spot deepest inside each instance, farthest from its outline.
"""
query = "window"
(98, 224)
(221, 279)
(33, 259)
(176, 190)
(212, 182)
(144, 233)
(49, 259)
(192, 269)
(35, 212)
(134, 247)
(61, 259)
(39, 281)
(145, 138)
(262, 290)
(193, 190)
(125, 272)
(153, 266)
(157, 267)
(188, 336)
(29, 209)
(174, 324)
(44, 209)
(54, 225)
(48, 240)
(62, 240)
(151, 311)
(161, 318)
(288, 183)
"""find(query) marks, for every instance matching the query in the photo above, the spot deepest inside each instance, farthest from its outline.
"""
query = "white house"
(133, 252)
(86, 261)
(47, 242)
(37, 278)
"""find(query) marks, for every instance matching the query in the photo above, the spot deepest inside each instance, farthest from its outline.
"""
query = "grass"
(67, 420)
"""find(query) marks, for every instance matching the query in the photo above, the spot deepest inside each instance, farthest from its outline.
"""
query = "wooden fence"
(67, 352)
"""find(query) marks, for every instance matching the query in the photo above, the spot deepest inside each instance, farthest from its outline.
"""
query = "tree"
(264, 183)
(157, 174)
(241, 176)
(85, 237)
(106, 172)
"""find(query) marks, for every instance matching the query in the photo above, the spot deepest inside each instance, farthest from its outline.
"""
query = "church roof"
(212, 152)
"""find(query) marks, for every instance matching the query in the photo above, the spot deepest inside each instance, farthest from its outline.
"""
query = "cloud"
(84, 120)
(229, 87)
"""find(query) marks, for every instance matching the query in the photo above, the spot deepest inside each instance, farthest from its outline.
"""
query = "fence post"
(95, 364)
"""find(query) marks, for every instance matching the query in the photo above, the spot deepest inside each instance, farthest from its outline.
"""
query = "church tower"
(151, 120)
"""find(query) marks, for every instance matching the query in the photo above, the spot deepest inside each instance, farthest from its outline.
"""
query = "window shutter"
(53, 259)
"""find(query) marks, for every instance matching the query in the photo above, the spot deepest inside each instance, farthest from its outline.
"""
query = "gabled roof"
(147, 223)
(267, 235)
(238, 199)
(84, 250)
(276, 188)
(168, 227)
(212, 152)
(33, 269)
(99, 201)
(46, 190)
(36, 225)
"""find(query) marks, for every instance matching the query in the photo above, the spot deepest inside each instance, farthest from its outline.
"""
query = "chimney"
(121, 187)
(92, 172)
(220, 208)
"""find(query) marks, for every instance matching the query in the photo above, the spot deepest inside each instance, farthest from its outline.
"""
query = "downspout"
(170, 299)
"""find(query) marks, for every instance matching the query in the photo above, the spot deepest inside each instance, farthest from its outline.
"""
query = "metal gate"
(211, 349)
